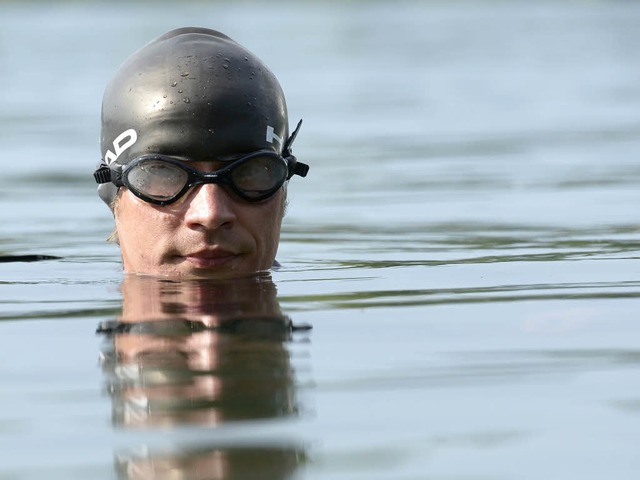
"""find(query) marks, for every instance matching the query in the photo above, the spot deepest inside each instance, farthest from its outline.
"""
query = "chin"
(195, 273)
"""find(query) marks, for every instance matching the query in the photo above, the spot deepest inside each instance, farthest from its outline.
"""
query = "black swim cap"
(191, 92)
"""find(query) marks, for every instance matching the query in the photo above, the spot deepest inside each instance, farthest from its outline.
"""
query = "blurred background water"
(464, 247)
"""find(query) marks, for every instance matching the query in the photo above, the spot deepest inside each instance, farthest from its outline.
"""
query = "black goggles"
(162, 180)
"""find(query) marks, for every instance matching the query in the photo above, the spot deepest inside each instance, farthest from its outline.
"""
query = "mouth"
(208, 259)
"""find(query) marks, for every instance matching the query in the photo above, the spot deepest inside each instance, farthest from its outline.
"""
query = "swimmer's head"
(192, 93)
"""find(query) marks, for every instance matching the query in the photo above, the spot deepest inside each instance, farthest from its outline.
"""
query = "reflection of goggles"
(162, 180)
(254, 326)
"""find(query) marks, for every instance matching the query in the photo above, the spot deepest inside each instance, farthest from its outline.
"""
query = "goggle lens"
(258, 176)
(157, 179)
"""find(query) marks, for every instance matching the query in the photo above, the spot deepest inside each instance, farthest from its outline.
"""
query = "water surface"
(464, 248)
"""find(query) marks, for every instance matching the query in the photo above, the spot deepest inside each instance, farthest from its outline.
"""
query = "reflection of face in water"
(213, 464)
(200, 353)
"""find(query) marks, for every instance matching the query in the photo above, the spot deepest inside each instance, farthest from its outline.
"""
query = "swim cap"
(192, 92)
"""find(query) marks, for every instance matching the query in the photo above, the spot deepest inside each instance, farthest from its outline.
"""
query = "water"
(464, 248)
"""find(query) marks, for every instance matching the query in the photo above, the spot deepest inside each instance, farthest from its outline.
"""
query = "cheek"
(139, 225)
(267, 222)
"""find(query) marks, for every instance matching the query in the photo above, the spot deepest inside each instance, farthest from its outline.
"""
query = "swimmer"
(196, 158)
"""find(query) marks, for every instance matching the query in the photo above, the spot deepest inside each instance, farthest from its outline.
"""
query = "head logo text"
(120, 144)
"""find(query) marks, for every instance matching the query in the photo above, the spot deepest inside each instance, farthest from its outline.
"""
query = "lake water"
(465, 248)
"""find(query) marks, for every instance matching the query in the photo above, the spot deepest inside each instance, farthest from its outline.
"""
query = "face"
(208, 233)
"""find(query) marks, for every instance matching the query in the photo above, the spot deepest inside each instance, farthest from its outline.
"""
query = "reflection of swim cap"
(191, 92)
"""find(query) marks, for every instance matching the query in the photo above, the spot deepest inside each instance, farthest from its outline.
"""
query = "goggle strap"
(295, 167)
(300, 169)
(286, 151)
(102, 174)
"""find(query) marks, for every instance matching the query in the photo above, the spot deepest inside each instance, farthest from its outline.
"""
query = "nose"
(210, 207)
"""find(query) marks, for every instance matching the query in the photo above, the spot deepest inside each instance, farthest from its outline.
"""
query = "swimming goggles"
(162, 180)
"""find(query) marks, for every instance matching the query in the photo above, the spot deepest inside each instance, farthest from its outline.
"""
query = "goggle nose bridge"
(218, 177)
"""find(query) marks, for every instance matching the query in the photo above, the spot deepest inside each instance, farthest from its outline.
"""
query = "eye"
(157, 179)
